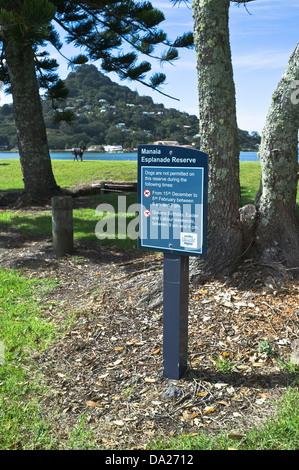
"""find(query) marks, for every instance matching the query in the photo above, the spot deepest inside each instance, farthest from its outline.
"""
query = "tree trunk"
(219, 136)
(35, 159)
(277, 235)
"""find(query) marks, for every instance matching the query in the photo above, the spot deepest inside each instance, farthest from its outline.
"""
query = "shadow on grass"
(27, 224)
(20, 227)
(266, 380)
(248, 197)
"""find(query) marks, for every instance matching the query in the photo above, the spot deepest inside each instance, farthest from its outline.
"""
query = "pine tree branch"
(130, 42)
(118, 70)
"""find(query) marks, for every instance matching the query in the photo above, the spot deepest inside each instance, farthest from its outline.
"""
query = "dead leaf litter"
(108, 366)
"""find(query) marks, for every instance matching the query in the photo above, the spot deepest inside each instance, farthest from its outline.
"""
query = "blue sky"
(261, 42)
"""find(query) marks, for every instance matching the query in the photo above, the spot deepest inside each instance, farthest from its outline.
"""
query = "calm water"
(244, 156)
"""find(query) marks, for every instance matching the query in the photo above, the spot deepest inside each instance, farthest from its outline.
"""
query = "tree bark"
(219, 136)
(39, 181)
(277, 235)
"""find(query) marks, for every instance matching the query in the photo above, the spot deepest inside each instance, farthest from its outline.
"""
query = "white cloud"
(5, 99)
(166, 4)
(251, 121)
(269, 9)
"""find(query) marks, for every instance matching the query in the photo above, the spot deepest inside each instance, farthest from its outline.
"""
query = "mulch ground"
(107, 369)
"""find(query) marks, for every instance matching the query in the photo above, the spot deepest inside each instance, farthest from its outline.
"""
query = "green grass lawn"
(69, 173)
(250, 176)
(24, 330)
(84, 221)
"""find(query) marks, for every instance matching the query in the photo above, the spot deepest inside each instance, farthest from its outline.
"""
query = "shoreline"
(105, 153)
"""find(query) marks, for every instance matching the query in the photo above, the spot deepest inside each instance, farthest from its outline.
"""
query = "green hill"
(110, 114)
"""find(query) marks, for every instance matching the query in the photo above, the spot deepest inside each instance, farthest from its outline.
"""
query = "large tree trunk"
(219, 136)
(277, 234)
(35, 159)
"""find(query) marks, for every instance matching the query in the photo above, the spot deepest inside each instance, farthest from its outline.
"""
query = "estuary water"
(244, 156)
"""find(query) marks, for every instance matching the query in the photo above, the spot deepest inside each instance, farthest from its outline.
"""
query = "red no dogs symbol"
(146, 193)
(147, 213)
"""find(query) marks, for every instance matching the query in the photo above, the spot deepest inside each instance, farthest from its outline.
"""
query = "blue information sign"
(172, 193)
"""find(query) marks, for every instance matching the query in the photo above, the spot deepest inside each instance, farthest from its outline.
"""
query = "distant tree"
(4, 140)
(115, 136)
(6, 110)
(57, 142)
(248, 141)
(100, 28)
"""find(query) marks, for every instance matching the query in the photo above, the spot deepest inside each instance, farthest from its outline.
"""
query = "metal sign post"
(175, 315)
(172, 196)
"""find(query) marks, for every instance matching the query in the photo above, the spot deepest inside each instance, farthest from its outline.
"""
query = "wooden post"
(62, 225)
